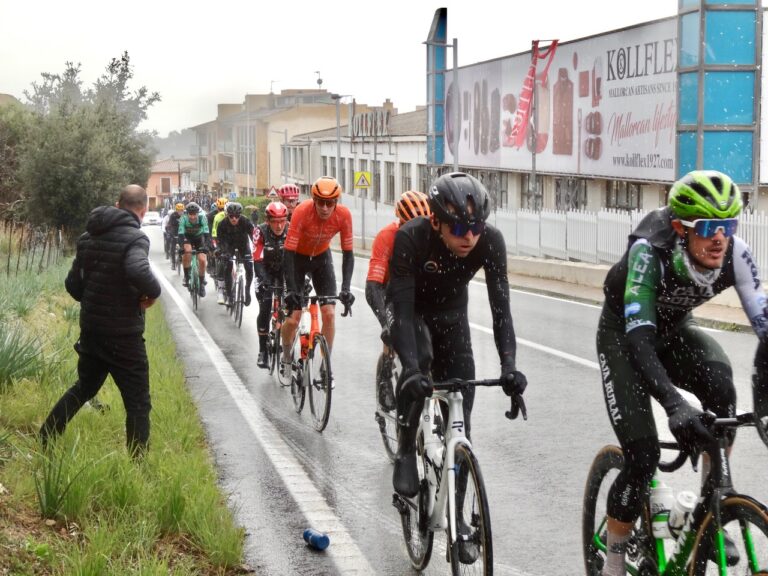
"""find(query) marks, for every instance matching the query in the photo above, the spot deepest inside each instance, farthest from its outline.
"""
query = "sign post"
(363, 181)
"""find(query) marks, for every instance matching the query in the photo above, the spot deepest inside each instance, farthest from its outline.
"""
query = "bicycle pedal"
(399, 503)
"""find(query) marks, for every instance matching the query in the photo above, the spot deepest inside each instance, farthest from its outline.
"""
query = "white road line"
(349, 559)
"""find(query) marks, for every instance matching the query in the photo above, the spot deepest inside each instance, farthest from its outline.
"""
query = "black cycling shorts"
(320, 269)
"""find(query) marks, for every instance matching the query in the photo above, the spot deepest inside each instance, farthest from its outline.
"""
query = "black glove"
(513, 382)
(347, 298)
(292, 301)
(689, 427)
(386, 337)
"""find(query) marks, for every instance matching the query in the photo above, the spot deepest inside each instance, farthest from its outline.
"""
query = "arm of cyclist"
(375, 294)
(292, 296)
(401, 293)
(347, 267)
(685, 422)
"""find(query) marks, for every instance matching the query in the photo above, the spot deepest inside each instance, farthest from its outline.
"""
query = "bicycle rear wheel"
(240, 302)
(472, 550)
(387, 372)
(318, 379)
(414, 517)
(746, 521)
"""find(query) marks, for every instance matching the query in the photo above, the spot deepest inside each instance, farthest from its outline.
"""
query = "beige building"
(242, 152)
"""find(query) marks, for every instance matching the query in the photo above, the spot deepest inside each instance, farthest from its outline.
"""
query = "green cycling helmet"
(705, 194)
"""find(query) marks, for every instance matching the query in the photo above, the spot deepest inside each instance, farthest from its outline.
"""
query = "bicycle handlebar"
(717, 426)
(517, 404)
(314, 298)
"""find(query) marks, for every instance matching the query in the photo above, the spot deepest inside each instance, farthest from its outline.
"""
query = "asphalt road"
(281, 476)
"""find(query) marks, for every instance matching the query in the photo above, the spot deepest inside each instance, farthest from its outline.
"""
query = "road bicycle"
(388, 370)
(194, 278)
(274, 343)
(311, 363)
(459, 506)
(699, 547)
(236, 296)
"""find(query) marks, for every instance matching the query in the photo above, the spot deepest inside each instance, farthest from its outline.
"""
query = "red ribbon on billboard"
(523, 111)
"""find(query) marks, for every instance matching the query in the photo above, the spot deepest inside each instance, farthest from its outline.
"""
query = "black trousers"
(125, 358)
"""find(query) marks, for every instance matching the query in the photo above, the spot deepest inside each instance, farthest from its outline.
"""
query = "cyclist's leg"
(405, 473)
(228, 277)
(629, 409)
(186, 261)
(324, 281)
(248, 265)
(301, 266)
(264, 297)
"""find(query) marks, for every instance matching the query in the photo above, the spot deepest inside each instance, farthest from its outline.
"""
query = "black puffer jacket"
(111, 274)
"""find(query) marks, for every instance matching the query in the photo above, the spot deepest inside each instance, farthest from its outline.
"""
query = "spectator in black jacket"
(111, 279)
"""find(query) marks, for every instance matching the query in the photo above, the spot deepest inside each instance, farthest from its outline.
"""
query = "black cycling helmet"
(457, 189)
(193, 208)
(234, 208)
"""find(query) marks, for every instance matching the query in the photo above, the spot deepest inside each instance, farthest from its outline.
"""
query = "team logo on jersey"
(430, 266)
(631, 309)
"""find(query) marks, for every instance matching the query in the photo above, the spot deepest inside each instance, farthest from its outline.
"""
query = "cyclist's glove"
(347, 298)
(689, 426)
(293, 301)
(513, 382)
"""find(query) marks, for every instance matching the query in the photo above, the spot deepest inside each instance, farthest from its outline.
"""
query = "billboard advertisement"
(605, 108)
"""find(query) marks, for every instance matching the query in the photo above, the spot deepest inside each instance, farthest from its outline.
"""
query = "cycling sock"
(614, 562)
(262, 342)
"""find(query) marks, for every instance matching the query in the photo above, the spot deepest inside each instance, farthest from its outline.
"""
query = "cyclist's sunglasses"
(460, 229)
(326, 203)
(708, 227)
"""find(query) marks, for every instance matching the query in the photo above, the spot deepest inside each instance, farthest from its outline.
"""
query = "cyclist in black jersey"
(432, 263)
(234, 233)
(268, 265)
(648, 344)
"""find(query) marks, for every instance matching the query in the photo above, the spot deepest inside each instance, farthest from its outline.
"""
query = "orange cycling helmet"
(179, 206)
(221, 203)
(326, 188)
(288, 192)
(411, 205)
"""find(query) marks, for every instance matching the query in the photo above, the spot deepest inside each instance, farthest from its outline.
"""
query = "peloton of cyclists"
(193, 234)
(307, 252)
(269, 239)
(648, 344)
(411, 204)
(432, 262)
(234, 232)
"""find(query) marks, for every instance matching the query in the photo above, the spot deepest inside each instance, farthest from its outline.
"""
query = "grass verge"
(84, 507)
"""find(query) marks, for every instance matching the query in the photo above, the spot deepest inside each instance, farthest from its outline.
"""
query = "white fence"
(596, 237)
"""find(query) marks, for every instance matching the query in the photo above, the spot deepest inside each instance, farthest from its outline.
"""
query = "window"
(325, 165)
(424, 178)
(570, 194)
(334, 172)
(389, 174)
(531, 199)
(405, 177)
(165, 186)
(622, 195)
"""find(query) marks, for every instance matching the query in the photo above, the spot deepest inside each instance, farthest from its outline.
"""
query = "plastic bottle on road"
(318, 540)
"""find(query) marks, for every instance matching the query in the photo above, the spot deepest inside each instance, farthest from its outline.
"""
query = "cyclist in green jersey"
(648, 344)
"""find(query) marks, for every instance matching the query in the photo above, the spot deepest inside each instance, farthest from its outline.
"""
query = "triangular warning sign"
(362, 181)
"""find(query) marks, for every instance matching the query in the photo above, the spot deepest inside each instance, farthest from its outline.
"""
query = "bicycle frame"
(439, 450)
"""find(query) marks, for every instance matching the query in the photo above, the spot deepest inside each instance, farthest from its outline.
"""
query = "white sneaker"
(220, 299)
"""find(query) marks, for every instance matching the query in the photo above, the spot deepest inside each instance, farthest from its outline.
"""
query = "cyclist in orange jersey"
(307, 252)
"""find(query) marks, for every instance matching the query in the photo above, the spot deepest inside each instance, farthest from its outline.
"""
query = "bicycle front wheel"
(472, 548)
(318, 380)
(386, 376)
(194, 287)
(745, 520)
(239, 303)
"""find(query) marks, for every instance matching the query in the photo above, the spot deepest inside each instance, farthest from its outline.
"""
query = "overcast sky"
(199, 54)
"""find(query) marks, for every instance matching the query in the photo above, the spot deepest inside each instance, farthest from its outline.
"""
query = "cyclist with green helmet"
(648, 344)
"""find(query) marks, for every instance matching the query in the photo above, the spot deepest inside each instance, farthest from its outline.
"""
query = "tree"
(83, 145)
(14, 124)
